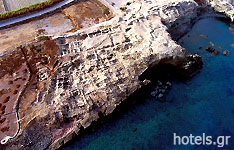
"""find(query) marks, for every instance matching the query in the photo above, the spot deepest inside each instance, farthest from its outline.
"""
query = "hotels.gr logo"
(220, 141)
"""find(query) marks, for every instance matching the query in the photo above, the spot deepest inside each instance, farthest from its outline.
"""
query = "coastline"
(118, 44)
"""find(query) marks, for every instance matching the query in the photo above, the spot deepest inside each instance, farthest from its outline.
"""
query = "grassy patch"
(106, 11)
(123, 8)
(43, 38)
(28, 9)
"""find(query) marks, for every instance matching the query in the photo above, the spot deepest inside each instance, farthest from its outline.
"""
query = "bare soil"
(10, 86)
(86, 13)
(19, 71)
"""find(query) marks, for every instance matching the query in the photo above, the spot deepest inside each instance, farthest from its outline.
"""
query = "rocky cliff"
(221, 6)
(98, 68)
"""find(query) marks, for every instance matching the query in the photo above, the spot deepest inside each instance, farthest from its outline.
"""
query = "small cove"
(204, 104)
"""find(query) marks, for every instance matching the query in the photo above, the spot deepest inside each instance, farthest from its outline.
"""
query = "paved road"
(117, 3)
(15, 20)
(4, 4)
(114, 5)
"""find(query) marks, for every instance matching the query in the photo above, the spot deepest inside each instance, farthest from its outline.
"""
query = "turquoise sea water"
(204, 104)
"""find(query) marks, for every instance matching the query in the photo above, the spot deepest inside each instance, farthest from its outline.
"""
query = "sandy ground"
(80, 15)
(53, 25)
(16, 35)
(86, 13)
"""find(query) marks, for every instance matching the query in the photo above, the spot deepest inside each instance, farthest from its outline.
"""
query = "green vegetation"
(43, 38)
(106, 11)
(28, 9)
(123, 8)
(30, 45)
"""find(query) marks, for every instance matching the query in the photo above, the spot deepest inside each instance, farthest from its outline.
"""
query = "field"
(16, 4)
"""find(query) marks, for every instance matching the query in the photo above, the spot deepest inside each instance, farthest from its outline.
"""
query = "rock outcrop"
(99, 67)
(221, 6)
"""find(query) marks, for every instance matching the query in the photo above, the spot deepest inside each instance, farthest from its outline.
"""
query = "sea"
(198, 106)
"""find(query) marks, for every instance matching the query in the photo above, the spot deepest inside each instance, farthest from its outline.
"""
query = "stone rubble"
(160, 90)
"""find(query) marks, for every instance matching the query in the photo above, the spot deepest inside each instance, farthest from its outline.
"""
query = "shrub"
(123, 8)
(106, 11)
(31, 46)
(43, 38)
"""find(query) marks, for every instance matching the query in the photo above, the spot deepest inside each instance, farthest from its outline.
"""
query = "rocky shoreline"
(98, 68)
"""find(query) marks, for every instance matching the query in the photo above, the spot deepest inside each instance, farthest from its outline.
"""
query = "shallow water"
(205, 104)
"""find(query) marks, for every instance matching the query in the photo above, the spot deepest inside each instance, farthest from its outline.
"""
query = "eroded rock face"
(99, 67)
(222, 6)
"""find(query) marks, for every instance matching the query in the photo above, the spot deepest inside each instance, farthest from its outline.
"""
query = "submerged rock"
(160, 95)
(204, 36)
(192, 65)
(169, 84)
(212, 50)
(225, 53)
(153, 93)
(212, 44)
(161, 89)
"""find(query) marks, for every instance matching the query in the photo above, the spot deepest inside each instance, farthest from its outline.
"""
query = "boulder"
(212, 50)
(225, 53)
